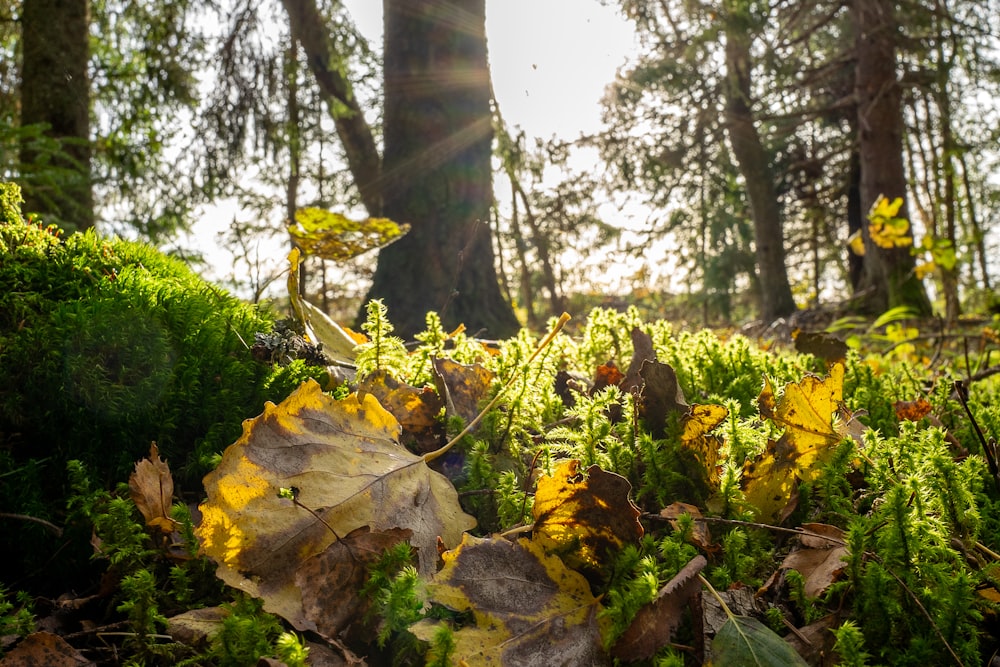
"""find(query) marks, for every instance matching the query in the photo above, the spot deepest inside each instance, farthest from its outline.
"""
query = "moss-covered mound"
(106, 346)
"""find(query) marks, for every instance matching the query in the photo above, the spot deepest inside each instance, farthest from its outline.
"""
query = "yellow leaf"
(333, 236)
(151, 488)
(335, 341)
(528, 607)
(695, 438)
(883, 208)
(806, 411)
(345, 468)
(585, 516)
(856, 242)
(924, 269)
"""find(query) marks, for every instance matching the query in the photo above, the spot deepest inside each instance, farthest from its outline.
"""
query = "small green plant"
(383, 351)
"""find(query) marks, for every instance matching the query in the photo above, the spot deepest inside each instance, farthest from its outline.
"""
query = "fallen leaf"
(566, 384)
(747, 642)
(529, 609)
(654, 624)
(196, 627)
(912, 411)
(701, 537)
(44, 648)
(151, 488)
(606, 375)
(331, 579)
(584, 517)
(642, 352)
(345, 468)
(815, 642)
(660, 397)
(417, 410)
(818, 558)
(463, 387)
(806, 411)
(696, 438)
(335, 341)
(821, 344)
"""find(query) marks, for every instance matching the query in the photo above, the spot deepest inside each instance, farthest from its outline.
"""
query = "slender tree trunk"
(55, 91)
(437, 172)
(309, 29)
(754, 164)
(888, 279)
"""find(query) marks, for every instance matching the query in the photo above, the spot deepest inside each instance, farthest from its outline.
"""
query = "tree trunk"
(754, 164)
(310, 30)
(437, 169)
(55, 91)
(888, 279)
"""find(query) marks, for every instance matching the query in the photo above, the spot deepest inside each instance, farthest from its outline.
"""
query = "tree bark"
(754, 164)
(888, 279)
(309, 29)
(437, 172)
(55, 91)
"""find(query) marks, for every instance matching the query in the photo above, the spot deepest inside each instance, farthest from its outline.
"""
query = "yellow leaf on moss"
(806, 411)
(529, 609)
(333, 236)
(696, 438)
(345, 468)
(585, 517)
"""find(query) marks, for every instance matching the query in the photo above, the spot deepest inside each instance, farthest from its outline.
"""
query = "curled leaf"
(151, 488)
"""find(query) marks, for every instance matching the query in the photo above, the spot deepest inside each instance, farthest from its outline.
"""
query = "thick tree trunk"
(55, 91)
(888, 279)
(437, 169)
(754, 164)
(310, 30)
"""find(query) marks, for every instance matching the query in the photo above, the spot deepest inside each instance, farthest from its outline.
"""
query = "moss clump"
(105, 346)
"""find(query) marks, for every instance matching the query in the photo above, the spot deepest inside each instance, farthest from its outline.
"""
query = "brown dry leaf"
(415, 409)
(196, 627)
(330, 580)
(346, 469)
(661, 396)
(44, 648)
(151, 488)
(584, 516)
(530, 610)
(642, 353)
(818, 558)
(606, 375)
(912, 411)
(806, 412)
(700, 535)
(820, 344)
(654, 624)
(463, 387)
(815, 641)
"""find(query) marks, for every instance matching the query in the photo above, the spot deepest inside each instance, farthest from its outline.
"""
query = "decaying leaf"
(345, 468)
(606, 375)
(330, 580)
(660, 396)
(335, 341)
(151, 488)
(818, 558)
(416, 410)
(747, 642)
(806, 412)
(585, 516)
(530, 610)
(642, 353)
(45, 648)
(463, 387)
(335, 237)
(654, 624)
(912, 411)
(701, 537)
(820, 344)
(696, 438)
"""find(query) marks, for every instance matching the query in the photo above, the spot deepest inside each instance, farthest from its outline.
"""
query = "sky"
(550, 61)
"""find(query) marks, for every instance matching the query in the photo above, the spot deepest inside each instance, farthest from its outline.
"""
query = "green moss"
(105, 346)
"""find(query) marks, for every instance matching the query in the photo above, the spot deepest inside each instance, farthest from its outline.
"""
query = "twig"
(430, 456)
(54, 529)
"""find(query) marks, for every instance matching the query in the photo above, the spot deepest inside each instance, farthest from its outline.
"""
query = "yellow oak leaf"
(529, 609)
(806, 411)
(344, 468)
(584, 516)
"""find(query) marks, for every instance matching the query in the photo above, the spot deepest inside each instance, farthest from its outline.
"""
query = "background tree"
(55, 99)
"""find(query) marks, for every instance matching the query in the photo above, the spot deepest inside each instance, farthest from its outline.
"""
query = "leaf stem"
(711, 589)
(430, 456)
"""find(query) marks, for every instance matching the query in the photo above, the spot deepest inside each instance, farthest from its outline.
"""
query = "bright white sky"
(550, 59)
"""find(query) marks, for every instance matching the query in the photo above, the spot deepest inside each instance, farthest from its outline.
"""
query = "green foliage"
(17, 616)
(383, 351)
(106, 346)
(247, 634)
